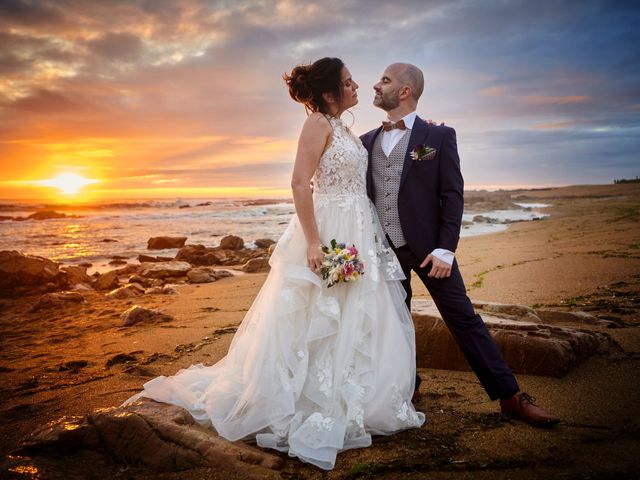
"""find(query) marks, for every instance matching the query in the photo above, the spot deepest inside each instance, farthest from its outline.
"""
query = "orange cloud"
(494, 91)
(556, 100)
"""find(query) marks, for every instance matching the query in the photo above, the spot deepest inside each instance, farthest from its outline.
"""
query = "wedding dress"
(314, 370)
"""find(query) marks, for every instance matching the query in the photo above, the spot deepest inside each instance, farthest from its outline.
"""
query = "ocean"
(99, 233)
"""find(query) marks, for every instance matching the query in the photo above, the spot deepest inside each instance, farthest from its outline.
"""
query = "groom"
(415, 182)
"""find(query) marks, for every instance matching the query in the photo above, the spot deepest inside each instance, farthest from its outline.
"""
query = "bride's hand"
(315, 256)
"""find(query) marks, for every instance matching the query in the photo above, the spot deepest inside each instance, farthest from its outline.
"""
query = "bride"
(313, 370)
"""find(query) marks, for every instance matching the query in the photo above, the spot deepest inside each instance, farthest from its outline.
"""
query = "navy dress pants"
(466, 326)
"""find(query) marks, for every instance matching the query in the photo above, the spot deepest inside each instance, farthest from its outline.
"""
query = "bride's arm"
(314, 137)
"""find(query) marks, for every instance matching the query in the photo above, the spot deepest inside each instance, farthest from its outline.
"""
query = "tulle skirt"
(312, 370)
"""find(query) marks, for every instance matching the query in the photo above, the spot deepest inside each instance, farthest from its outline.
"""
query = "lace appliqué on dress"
(404, 412)
(343, 165)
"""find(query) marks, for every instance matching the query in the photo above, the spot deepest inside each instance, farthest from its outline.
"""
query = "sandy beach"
(585, 256)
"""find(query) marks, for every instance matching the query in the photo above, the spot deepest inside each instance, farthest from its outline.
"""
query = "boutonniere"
(423, 152)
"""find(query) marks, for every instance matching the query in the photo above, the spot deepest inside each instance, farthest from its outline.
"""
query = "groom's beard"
(387, 101)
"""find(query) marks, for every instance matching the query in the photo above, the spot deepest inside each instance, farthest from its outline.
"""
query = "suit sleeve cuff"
(444, 255)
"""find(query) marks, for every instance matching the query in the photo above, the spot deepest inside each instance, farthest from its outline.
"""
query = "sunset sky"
(156, 98)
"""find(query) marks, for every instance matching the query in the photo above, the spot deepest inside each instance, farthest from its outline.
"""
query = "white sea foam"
(81, 239)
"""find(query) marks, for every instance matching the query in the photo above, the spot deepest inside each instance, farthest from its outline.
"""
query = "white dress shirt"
(389, 140)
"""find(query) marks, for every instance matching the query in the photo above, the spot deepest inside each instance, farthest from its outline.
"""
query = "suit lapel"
(419, 133)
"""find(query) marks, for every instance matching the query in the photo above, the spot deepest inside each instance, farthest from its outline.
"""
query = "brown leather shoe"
(522, 406)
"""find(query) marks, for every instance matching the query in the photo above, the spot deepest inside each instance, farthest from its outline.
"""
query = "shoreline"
(584, 257)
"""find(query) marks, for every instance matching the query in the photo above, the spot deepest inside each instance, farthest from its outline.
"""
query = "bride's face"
(349, 90)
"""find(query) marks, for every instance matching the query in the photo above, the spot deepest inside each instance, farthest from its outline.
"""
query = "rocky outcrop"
(106, 281)
(158, 435)
(164, 269)
(231, 242)
(163, 290)
(76, 274)
(148, 258)
(146, 282)
(21, 274)
(530, 347)
(264, 242)
(48, 214)
(199, 255)
(126, 291)
(138, 314)
(206, 275)
(160, 243)
(260, 264)
(57, 299)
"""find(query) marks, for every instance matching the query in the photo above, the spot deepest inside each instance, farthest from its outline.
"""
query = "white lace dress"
(314, 370)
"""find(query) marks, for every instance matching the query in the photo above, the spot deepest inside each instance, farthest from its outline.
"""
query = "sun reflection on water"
(28, 470)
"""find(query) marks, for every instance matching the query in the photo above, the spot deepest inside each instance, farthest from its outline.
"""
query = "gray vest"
(387, 172)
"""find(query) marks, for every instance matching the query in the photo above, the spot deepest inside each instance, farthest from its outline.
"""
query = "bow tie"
(391, 125)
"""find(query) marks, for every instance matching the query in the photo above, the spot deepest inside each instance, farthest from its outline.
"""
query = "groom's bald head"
(409, 75)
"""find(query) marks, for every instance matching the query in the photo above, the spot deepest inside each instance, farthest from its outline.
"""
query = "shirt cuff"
(445, 255)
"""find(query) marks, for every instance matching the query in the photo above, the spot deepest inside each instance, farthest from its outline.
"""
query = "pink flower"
(347, 269)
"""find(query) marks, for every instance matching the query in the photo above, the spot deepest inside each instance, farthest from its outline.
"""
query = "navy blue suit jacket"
(430, 199)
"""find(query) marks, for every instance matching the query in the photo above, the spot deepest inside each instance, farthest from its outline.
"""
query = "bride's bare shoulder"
(317, 123)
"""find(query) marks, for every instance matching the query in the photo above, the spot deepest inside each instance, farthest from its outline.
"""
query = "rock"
(46, 215)
(527, 347)
(164, 290)
(160, 243)
(231, 242)
(508, 310)
(120, 358)
(264, 242)
(72, 366)
(118, 262)
(126, 291)
(149, 258)
(52, 300)
(82, 287)
(483, 219)
(76, 274)
(137, 314)
(199, 255)
(108, 240)
(202, 275)
(36, 273)
(146, 282)
(107, 281)
(577, 318)
(223, 274)
(127, 270)
(164, 269)
(162, 436)
(184, 206)
(254, 265)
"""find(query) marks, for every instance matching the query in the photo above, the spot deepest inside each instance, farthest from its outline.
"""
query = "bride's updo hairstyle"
(307, 83)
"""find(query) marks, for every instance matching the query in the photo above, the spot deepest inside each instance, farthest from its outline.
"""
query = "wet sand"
(585, 256)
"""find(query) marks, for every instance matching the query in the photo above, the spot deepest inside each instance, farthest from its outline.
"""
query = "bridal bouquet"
(341, 263)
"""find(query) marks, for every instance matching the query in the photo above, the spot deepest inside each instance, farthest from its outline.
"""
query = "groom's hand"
(439, 269)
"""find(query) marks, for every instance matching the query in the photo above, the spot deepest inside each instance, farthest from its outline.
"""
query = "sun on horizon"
(68, 183)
